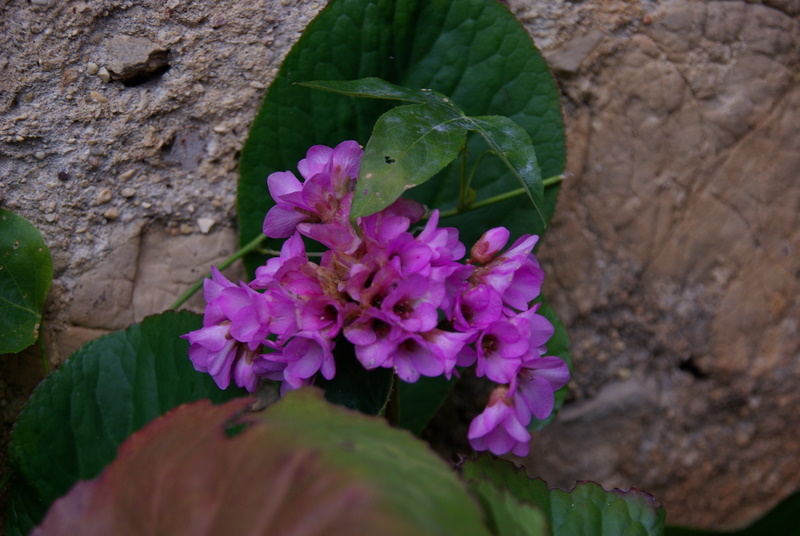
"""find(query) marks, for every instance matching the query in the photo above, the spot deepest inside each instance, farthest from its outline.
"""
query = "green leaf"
(301, 467)
(586, 509)
(513, 146)
(409, 145)
(376, 88)
(558, 346)
(508, 516)
(780, 520)
(77, 417)
(420, 400)
(475, 51)
(355, 387)
(397, 140)
(25, 275)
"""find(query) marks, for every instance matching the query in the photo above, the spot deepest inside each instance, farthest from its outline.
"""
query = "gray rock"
(134, 57)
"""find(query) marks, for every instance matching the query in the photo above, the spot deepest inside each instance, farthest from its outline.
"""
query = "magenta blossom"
(393, 290)
(305, 354)
(323, 197)
(498, 429)
(535, 386)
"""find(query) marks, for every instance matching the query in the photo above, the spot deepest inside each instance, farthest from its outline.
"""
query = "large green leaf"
(25, 275)
(77, 417)
(301, 467)
(586, 509)
(475, 51)
(419, 401)
(508, 516)
(354, 386)
(410, 144)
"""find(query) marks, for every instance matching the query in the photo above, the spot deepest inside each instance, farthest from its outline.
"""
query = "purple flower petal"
(316, 161)
(281, 222)
(283, 183)
(489, 244)
(498, 429)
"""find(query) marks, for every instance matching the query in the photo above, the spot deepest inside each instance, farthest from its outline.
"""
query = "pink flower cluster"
(400, 298)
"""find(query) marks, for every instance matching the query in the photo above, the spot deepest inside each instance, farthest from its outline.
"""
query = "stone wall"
(674, 256)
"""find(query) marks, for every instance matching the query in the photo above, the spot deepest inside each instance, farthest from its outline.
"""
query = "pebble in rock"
(205, 224)
(104, 196)
(111, 214)
(104, 75)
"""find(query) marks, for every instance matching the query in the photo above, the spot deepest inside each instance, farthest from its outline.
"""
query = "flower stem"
(463, 183)
(5, 480)
(550, 181)
(45, 361)
(221, 266)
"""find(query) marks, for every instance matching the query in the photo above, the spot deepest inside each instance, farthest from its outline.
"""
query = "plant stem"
(550, 181)
(5, 480)
(45, 361)
(221, 266)
(392, 409)
(462, 185)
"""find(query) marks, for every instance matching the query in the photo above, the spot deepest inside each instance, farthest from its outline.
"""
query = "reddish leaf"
(204, 469)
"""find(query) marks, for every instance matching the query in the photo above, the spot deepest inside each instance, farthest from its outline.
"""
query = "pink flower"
(535, 386)
(375, 338)
(500, 348)
(224, 346)
(476, 308)
(305, 354)
(501, 271)
(412, 304)
(248, 312)
(489, 245)
(212, 288)
(498, 429)
(398, 297)
(324, 196)
(212, 350)
(428, 354)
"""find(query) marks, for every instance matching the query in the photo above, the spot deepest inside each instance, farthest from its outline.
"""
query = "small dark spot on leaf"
(16, 244)
(389, 159)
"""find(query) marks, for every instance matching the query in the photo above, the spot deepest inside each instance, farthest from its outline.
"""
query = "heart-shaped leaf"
(410, 144)
(25, 275)
(475, 51)
(77, 417)
(302, 467)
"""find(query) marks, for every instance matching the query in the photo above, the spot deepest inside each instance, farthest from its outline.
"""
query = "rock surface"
(673, 257)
